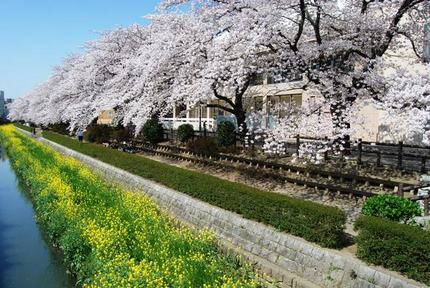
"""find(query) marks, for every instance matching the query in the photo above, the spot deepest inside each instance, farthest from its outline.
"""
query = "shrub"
(121, 134)
(392, 208)
(205, 145)
(61, 128)
(153, 131)
(226, 134)
(185, 133)
(312, 221)
(396, 246)
(98, 133)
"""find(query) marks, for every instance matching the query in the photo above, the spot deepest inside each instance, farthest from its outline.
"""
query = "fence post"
(378, 158)
(204, 129)
(298, 144)
(360, 150)
(326, 152)
(426, 207)
(400, 156)
(400, 192)
(423, 164)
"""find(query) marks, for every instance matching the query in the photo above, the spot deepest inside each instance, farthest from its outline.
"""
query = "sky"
(36, 35)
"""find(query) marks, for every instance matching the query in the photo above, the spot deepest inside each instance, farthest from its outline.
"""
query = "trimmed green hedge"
(314, 222)
(23, 127)
(398, 247)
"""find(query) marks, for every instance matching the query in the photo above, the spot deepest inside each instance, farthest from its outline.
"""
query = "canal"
(26, 258)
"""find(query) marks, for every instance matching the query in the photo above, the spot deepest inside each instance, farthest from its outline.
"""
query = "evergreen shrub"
(399, 247)
(185, 132)
(226, 134)
(98, 133)
(205, 146)
(153, 131)
(392, 208)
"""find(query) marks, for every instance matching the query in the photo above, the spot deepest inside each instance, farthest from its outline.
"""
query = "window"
(217, 111)
(258, 103)
(294, 100)
(194, 111)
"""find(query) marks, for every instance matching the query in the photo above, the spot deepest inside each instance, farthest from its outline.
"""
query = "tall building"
(7, 102)
(2, 105)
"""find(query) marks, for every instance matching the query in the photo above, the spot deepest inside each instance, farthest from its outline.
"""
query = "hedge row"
(398, 247)
(23, 127)
(314, 222)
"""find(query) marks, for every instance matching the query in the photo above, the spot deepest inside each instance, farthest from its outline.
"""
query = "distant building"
(106, 117)
(2, 105)
(7, 102)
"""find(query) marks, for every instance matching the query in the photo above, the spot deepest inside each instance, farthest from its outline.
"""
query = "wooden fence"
(396, 155)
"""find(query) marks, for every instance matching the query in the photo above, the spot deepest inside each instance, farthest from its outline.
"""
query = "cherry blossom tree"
(211, 50)
(340, 46)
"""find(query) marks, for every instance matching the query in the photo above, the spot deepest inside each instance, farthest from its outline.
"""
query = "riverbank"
(113, 238)
(285, 257)
(27, 259)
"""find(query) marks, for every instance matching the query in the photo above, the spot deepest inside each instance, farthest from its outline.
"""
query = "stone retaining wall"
(290, 260)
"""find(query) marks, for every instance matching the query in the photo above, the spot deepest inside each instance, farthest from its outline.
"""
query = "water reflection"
(26, 260)
(2, 154)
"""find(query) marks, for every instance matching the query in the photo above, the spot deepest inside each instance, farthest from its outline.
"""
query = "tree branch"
(220, 107)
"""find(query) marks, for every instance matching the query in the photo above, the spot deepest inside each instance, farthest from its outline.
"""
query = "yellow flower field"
(111, 237)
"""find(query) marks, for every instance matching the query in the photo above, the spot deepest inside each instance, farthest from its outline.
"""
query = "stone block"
(287, 264)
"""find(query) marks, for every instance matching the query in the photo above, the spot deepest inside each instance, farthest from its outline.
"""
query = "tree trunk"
(337, 110)
(240, 115)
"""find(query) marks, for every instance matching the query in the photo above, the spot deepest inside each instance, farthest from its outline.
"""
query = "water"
(26, 259)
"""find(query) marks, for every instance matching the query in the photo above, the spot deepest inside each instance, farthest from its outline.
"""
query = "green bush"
(121, 134)
(98, 133)
(153, 131)
(205, 145)
(61, 128)
(396, 246)
(226, 134)
(185, 133)
(311, 221)
(392, 208)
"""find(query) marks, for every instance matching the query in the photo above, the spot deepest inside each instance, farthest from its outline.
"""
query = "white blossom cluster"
(196, 51)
